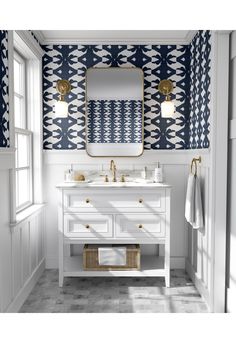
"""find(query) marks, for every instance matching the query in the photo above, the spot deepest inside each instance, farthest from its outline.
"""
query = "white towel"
(198, 213)
(193, 204)
(189, 203)
(112, 256)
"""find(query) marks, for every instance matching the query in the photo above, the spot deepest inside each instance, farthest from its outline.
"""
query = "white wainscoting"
(5, 240)
(194, 250)
(27, 251)
(231, 222)
(21, 246)
(198, 262)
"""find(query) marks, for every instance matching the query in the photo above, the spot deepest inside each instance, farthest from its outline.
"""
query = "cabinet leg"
(61, 279)
(67, 250)
(167, 280)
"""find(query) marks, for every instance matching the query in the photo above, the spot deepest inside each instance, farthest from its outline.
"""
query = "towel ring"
(194, 163)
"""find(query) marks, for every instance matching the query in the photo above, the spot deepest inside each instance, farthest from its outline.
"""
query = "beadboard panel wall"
(21, 248)
(28, 262)
(176, 167)
(5, 242)
(199, 262)
(231, 223)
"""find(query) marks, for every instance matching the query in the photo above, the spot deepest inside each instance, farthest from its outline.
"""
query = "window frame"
(21, 60)
(23, 131)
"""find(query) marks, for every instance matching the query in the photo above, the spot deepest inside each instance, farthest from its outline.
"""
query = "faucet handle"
(122, 178)
(106, 178)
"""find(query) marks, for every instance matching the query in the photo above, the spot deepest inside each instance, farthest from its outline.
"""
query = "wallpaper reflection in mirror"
(114, 111)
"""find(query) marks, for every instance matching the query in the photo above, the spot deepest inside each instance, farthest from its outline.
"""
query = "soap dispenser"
(144, 173)
(158, 173)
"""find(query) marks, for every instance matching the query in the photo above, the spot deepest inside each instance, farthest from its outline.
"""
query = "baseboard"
(175, 262)
(198, 282)
(23, 294)
(51, 262)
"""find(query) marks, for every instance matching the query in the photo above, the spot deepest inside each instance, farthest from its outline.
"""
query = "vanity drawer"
(116, 199)
(88, 226)
(140, 226)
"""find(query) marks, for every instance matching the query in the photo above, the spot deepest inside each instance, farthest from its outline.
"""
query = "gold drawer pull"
(87, 226)
(140, 226)
(140, 201)
(87, 201)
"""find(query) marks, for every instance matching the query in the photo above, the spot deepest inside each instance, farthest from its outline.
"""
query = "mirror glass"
(114, 111)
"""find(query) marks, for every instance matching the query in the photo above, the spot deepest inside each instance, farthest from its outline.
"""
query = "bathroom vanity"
(114, 213)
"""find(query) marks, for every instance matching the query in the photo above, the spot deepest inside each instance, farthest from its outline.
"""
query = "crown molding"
(190, 35)
(79, 39)
(27, 40)
(39, 35)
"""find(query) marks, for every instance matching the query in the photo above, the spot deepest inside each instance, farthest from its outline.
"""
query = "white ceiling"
(115, 36)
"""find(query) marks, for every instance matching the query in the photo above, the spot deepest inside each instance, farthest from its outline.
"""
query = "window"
(23, 136)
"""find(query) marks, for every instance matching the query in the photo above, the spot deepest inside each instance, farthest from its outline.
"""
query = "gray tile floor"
(99, 295)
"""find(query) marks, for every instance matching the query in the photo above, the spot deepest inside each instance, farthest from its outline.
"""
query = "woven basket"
(90, 258)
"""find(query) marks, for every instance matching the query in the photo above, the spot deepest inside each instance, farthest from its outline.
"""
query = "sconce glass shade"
(165, 87)
(167, 109)
(61, 109)
(61, 106)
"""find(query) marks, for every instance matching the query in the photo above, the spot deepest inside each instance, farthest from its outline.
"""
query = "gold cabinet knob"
(140, 201)
(140, 226)
(87, 226)
(87, 201)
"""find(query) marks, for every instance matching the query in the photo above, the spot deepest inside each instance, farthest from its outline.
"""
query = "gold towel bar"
(194, 162)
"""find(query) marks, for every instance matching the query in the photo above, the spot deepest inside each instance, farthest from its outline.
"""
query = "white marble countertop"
(102, 184)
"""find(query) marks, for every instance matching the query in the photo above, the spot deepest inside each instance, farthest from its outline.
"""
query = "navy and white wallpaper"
(157, 61)
(187, 66)
(200, 64)
(114, 121)
(4, 96)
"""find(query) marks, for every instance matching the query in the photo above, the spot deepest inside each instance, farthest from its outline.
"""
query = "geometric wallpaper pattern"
(200, 64)
(188, 66)
(157, 62)
(4, 94)
(114, 121)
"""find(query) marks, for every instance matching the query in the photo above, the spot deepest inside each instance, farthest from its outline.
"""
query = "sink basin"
(121, 184)
(112, 184)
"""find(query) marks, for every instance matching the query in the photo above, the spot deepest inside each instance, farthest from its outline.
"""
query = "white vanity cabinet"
(89, 213)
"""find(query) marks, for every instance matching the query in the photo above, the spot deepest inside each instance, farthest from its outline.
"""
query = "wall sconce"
(61, 106)
(165, 87)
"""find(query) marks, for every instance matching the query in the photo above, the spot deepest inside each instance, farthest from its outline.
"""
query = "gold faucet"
(113, 169)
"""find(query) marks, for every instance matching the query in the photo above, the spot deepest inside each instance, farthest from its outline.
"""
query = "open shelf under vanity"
(150, 266)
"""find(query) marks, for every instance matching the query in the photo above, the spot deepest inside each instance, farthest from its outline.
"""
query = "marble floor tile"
(116, 295)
